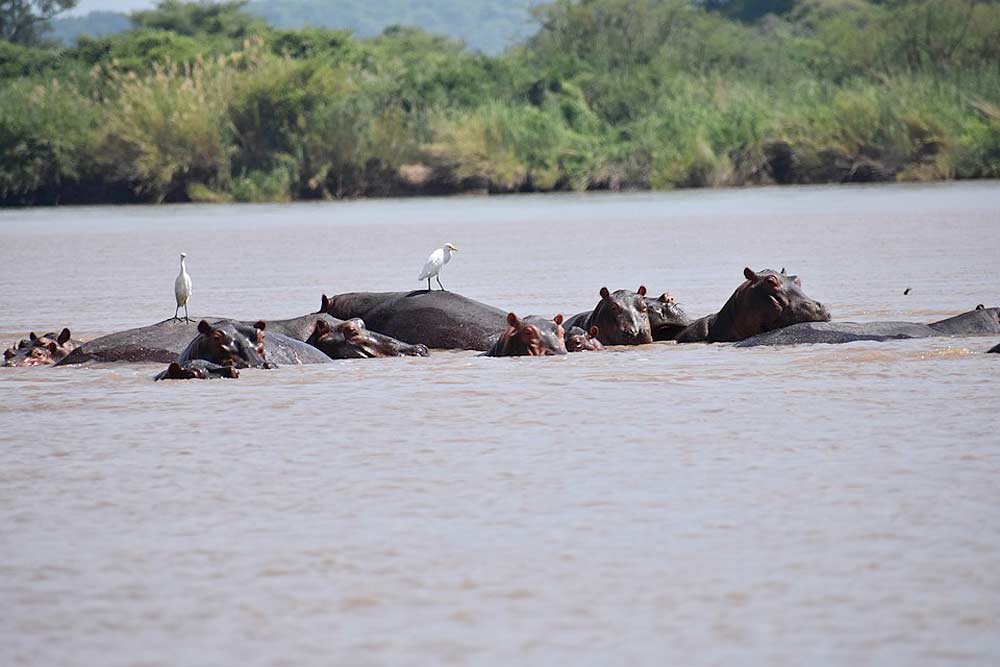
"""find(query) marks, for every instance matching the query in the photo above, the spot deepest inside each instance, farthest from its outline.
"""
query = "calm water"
(696, 505)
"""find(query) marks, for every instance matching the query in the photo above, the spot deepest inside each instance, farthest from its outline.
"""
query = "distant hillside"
(485, 25)
(95, 24)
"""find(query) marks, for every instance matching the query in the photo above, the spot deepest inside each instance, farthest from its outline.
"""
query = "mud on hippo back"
(41, 350)
(530, 336)
(765, 301)
(621, 318)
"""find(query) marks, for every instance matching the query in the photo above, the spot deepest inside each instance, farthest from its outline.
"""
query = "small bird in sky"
(436, 262)
(182, 290)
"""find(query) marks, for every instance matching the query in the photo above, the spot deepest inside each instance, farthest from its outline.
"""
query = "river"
(696, 505)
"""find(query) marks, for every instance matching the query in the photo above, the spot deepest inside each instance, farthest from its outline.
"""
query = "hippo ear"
(32, 336)
(558, 319)
(749, 274)
(666, 298)
(605, 294)
(592, 333)
(795, 279)
(321, 327)
(260, 324)
(980, 307)
(512, 320)
(204, 327)
(642, 290)
(783, 271)
(64, 336)
(324, 304)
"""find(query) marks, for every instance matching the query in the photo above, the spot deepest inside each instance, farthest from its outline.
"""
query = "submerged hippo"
(197, 369)
(351, 340)
(441, 320)
(994, 349)
(530, 336)
(981, 321)
(765, 301)
(578, 340)
(666, 318)
(621, 318)
(43, 350)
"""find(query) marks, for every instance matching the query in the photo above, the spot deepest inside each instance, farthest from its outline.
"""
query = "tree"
(25, 21)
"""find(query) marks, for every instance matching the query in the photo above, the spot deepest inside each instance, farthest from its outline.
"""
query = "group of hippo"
(768, 308)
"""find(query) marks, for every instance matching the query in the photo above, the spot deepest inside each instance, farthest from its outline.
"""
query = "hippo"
(351, 340)
(621, 318)
(164, 341)
(530, 336)
(765, 301)
(995, 349)
(981, 321)
(243, 345)
(160, 343)
(41, 350)
(228, 344)
(438, 319)
(197, 369)
(578, 340)
(666, 318)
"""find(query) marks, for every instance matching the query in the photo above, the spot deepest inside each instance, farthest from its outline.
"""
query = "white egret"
(182, 290)
(436, 262)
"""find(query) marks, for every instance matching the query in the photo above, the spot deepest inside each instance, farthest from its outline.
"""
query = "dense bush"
(205, 103)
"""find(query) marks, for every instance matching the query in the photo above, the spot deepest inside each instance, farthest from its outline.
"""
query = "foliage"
(202, 102)
(25, 21)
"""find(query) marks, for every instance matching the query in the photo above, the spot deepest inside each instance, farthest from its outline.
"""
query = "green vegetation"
(207, 103)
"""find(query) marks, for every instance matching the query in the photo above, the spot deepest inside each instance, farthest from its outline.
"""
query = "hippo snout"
(822, 312)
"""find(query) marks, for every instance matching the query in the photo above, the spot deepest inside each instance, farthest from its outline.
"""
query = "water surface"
(695, 505)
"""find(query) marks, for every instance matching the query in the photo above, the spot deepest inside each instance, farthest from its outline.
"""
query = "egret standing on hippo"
(436, 262)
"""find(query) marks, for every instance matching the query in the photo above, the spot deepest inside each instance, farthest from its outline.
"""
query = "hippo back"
(439, 319)
(979, 321)
(161, 343)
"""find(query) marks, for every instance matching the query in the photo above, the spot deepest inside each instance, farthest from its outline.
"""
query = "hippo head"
(666, 319)
(578, 340)
(530, 336)
(41, 350)
(622, 318)
(350, 339)
(27, 356)
(767, 300)
(228, 344)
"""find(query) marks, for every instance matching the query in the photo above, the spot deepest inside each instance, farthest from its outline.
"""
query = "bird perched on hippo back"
(182, 289)
(436, 261)
(531, 336)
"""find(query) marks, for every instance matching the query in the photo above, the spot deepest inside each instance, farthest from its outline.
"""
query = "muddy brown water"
(697, 505)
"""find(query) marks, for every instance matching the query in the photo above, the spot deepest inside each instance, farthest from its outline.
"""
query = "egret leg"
(175, 312)
(186, 318)
(428, 283)
(438, 278)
